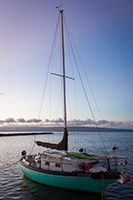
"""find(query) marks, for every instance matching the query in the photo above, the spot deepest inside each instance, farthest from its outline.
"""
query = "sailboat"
(71, 170)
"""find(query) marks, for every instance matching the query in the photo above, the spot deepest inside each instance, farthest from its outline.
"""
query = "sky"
(103, 34)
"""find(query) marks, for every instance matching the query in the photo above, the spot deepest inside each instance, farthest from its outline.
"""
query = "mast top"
(59, 8)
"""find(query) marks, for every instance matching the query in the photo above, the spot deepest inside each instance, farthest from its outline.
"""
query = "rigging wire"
(48, 69)
(50, 87)
(75, 102)
(46, 80)
(88, 102)
(88, 82)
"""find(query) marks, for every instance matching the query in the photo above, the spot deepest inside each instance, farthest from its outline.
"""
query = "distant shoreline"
(23, 134)
(23, 131)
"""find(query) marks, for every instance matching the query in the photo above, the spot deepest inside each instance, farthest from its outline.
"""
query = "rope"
(102, 194)
(9, 165)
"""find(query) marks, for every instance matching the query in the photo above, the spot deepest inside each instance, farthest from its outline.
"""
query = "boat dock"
(23, 134)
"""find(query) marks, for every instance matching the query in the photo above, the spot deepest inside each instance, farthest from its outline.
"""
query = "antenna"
(58, 7)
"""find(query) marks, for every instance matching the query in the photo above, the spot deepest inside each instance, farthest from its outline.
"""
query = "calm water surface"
(13, 185)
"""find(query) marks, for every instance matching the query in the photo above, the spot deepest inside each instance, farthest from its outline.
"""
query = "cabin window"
(47, 163)
(57, 165)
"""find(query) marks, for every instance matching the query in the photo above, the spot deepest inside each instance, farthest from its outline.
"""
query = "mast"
(64, 83)
(63, 68)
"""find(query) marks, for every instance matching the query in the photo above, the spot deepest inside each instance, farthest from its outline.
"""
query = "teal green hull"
(86, 184)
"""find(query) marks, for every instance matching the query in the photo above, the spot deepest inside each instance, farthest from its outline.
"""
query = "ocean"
(13, 185)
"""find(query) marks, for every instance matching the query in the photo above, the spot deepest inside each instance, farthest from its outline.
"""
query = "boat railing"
(114, 162)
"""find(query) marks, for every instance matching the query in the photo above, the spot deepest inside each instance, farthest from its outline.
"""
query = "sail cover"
(62, 145)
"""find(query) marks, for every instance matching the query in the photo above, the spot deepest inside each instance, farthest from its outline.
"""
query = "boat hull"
(72, 182)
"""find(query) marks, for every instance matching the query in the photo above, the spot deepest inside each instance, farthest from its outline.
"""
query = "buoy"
(23, 153)
(114, 148)
(81, 150)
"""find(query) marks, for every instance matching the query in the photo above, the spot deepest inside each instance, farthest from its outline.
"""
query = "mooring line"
(9, 165)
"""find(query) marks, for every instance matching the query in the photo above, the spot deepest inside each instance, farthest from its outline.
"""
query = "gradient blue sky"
(103, 33)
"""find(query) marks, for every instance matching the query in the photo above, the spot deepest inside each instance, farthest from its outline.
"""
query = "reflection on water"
(14, 186)
(33, 190)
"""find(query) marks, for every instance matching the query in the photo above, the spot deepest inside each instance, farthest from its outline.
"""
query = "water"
(13, 185)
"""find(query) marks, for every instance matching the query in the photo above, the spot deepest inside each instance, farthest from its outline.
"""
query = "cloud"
(54, 121)
(59, 120)
(22, 120)
(81, 122)
(33, 120)
(86, 122)
(2, 122)
(74, 122)
(71, 122)
(1, 93)
(103, 123)
(110, 123)
(10, 120)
